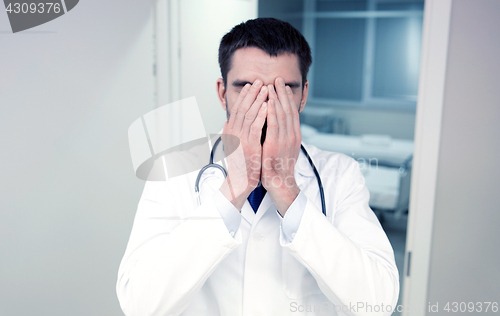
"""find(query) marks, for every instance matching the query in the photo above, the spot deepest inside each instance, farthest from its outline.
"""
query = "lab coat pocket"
(298, 282)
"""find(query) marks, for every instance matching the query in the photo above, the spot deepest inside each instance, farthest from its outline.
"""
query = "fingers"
(286, 104)
(255, 97)
(253, 111)
(272, 121)
(255, 130)
(244, 118)
(281, 117)
(295, 112)
(235, 108)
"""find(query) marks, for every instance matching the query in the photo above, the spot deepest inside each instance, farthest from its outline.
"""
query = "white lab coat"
(182, 260)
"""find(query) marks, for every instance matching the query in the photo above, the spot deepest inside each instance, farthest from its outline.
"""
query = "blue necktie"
(256, 197)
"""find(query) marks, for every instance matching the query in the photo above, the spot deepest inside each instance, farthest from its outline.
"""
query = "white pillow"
(307, 131)
(376, 140)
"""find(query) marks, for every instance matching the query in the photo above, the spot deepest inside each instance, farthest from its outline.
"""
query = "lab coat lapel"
(303, 170)
(247, 212)
(265, 205)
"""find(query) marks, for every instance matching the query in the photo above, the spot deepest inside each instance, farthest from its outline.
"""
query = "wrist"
(236, 196)
(283, 197)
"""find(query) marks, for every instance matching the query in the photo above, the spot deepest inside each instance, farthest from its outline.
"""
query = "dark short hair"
(273, 36)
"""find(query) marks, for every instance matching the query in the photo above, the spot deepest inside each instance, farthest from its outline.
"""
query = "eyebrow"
(242, 83)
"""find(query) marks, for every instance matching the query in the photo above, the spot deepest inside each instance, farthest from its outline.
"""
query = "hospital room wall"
(69, 90)
(465, 261)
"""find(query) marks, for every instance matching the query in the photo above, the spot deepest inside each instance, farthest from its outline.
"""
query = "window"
(365, 52)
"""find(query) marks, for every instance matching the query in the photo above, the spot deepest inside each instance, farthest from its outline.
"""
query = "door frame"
(437, 16)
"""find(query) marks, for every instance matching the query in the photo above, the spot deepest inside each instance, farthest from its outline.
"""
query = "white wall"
(203, 23)
(69, 89)
(465, 261)
(188, 38)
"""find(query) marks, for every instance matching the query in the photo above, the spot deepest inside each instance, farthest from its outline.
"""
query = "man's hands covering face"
(246, 120)
(281, 148)
(274, 162)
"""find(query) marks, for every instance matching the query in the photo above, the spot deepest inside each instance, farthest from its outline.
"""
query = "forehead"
(251, 63)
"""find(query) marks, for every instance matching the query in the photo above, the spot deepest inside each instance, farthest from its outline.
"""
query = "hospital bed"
(385, 163)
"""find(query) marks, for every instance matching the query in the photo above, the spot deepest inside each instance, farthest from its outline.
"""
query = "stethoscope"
(212, 164)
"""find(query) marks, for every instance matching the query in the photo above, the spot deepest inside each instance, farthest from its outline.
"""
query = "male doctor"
(259, 244)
